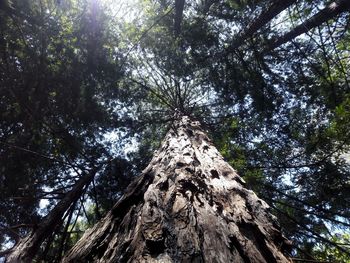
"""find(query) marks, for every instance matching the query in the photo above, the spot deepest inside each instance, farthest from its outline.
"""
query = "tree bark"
(179, 8)
(27, 248)
(329, 12)
(188, 205)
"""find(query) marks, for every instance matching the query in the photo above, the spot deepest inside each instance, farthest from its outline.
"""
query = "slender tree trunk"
(188, 205)
(329, 12)
(27, 248)
(276, 7)
(179, 8)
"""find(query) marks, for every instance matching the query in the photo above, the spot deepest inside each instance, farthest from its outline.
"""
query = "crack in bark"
(234, 244)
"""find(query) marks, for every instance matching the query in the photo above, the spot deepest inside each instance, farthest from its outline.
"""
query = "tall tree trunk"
(27, 248)
(188, 205)
(179, 8)
(329, 12)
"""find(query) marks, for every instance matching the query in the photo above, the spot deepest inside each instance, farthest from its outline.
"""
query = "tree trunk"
(329, 12)
(188, 205)
(179, 8)
(27, 248)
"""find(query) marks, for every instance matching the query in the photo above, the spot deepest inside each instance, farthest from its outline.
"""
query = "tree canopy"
(88, 89)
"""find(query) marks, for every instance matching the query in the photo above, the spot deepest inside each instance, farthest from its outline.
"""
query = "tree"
(56, 72)
(74, 77)
(26, 249)
(187, 205)
(179, 7)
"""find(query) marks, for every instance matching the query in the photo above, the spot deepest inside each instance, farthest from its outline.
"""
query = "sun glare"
(126, 10)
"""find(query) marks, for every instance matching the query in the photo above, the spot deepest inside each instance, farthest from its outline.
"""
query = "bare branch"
(329, 12)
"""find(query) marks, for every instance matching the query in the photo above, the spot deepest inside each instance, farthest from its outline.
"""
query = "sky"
(123, 9)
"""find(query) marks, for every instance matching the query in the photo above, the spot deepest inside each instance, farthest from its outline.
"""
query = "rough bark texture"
(329, 12)
(188, 205)
(26, 249)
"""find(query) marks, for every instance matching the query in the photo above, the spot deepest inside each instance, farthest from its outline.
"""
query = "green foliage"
(59, 69)
(333, 254)
(112, 183)
(71, 72)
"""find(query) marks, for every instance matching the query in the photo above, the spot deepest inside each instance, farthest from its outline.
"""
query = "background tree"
(59, 75)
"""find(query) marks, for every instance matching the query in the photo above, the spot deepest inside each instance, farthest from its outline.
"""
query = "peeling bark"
(188, 205)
